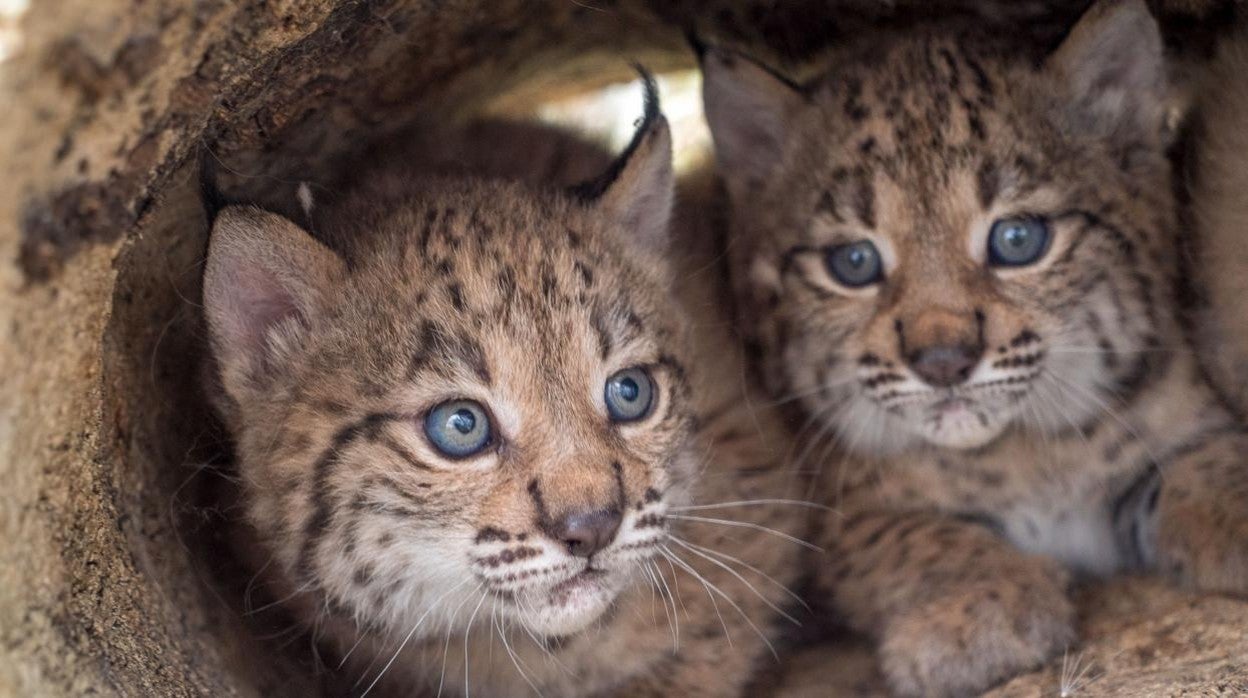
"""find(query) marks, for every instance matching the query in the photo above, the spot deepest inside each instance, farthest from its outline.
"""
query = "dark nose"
(945, 366)
(585, 533)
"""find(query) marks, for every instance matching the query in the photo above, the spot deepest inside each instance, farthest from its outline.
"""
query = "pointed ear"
(265, 281)
(638, 189)
(1112, 68)
(749, 109)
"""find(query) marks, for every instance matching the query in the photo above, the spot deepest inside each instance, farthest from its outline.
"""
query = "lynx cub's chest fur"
(960, 257)
(480, 447)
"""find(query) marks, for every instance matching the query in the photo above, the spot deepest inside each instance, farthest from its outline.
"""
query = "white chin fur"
(550, 613)
(962, 430)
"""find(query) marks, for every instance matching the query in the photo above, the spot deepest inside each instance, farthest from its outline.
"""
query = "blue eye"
(458, 428)
(629, 395)
(856, 264)
(1018, 241)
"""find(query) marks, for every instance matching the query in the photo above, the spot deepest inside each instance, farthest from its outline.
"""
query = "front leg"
(954, 608)
(1202, 514)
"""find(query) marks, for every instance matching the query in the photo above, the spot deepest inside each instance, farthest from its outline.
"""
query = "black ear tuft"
(651, 96)
(696, 43)
(594, 188)
(637, 190)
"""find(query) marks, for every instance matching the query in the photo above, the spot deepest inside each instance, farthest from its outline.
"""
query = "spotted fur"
(1068, 427)
(456, 575)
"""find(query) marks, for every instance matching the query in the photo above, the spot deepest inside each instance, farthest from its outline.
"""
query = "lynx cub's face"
(943, 238)
(474, 399)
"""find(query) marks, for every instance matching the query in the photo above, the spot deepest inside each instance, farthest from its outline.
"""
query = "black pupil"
(628, 389)
(463, 421)
(857, 257)
(1016, 236)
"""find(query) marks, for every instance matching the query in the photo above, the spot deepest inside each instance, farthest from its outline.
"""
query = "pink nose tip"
(586, 533)
(945, 366)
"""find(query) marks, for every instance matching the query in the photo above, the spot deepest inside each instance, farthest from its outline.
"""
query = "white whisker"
(1100, 404)
(502, 634)
(347, 656)
(304, 587)
(676, 585)
(792, 594)
(675, 619)
(750, 525)
(467, 634)
(412, 632)
(754, 502)
(666, 611)
(739, 578)
(654, 585)
(688, 568)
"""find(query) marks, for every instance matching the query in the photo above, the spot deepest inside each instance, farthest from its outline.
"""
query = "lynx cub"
(961, 258)
(483, 449)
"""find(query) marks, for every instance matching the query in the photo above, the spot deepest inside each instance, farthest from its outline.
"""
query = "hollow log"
(114, 576)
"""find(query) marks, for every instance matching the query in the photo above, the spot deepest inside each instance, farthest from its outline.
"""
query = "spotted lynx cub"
(961, 260)
(479, 445)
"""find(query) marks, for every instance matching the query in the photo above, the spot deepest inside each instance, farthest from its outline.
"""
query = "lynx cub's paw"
(1200, 515)
(962, 643)
(1204, 544)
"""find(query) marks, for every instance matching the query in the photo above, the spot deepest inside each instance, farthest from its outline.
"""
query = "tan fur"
(1219, 208)
(525, 299)
(1081, 435)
